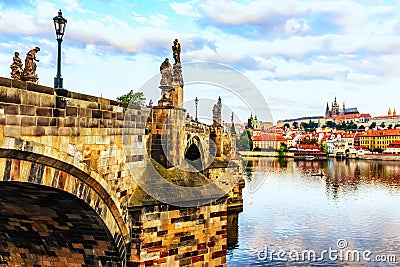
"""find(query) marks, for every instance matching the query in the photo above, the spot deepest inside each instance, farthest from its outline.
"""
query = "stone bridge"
(69, 170)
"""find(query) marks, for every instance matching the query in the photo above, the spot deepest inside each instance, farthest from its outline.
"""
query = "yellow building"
(379, 138)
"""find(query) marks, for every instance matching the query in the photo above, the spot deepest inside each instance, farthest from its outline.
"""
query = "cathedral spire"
(327, 111)
(335, 103)
(389, 112)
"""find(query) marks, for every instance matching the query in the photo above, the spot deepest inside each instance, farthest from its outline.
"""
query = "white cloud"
(185, 8)
(159, 20)
(293, 26)
(75, 5)
(227, 12)
(139, 18)
(365, 79)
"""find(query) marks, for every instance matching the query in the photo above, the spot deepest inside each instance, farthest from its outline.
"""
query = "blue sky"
(300, 54)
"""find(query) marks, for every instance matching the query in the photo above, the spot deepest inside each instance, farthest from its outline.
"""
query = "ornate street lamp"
(59, 24)
(196, 102)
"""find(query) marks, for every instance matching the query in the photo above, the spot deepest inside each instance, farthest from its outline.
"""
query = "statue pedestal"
(177, 77)
(33, 78)
(166, 95)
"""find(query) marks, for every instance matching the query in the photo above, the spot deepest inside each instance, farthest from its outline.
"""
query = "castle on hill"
(337, 111)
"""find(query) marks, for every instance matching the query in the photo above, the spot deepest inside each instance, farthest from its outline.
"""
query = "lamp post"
(59, 24)
(196, 102)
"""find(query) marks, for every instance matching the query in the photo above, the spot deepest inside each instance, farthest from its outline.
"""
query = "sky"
(299, 54)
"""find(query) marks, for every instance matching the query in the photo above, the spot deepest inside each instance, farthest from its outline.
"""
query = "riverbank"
(272, 154)
(261, 154)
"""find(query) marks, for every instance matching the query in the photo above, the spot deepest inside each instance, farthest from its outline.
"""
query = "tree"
(324, 147)
(283, 147)
(287, 126)
(136, 99)
(373, 125)
(331, 124)
(382, 125)
(244, 143)
(377, 149)
(295, 125)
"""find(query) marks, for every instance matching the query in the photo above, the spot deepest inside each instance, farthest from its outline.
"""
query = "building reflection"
(341, 176)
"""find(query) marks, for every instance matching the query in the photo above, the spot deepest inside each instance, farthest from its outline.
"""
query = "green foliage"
(295, 125)
(324, 147)
(310, 126)
(136, 99)
(343, 126)
(244, 143)
(373, 125)
(286, 125)
(377, 149)
(283, 147)
(331, 124)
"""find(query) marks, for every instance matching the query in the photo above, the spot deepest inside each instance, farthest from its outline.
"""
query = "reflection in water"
(303, 205)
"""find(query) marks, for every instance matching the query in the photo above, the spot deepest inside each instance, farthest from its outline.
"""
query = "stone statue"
(165, 65)
(166, 73)
(29, 73)
(176, 51)
(16, 67)
(217, 117)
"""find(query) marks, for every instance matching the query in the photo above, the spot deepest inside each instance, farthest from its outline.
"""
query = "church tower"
(327, 111)
(389, 112)
(335, 107)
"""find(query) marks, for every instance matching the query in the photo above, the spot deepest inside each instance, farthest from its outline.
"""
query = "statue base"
(31, 78)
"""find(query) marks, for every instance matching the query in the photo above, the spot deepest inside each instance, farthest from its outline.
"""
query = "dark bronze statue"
(16, 67)
(176, 51)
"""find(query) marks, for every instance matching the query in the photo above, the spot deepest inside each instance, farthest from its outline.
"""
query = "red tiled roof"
(269, 137)
(346, 116)
(387, 117)
(395, 144)
(303, 146)
(375, 133)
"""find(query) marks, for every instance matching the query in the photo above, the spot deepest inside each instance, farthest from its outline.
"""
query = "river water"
(317, 213)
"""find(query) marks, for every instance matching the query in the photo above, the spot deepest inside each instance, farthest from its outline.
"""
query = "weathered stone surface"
(55, 229)
(92, 148)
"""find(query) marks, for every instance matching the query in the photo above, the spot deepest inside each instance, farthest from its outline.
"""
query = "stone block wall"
(97, 132)
(170, 236)
(167, 129)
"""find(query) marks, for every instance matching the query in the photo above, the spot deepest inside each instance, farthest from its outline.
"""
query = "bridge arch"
(30, 162)
(195, 152)
(50, 227)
